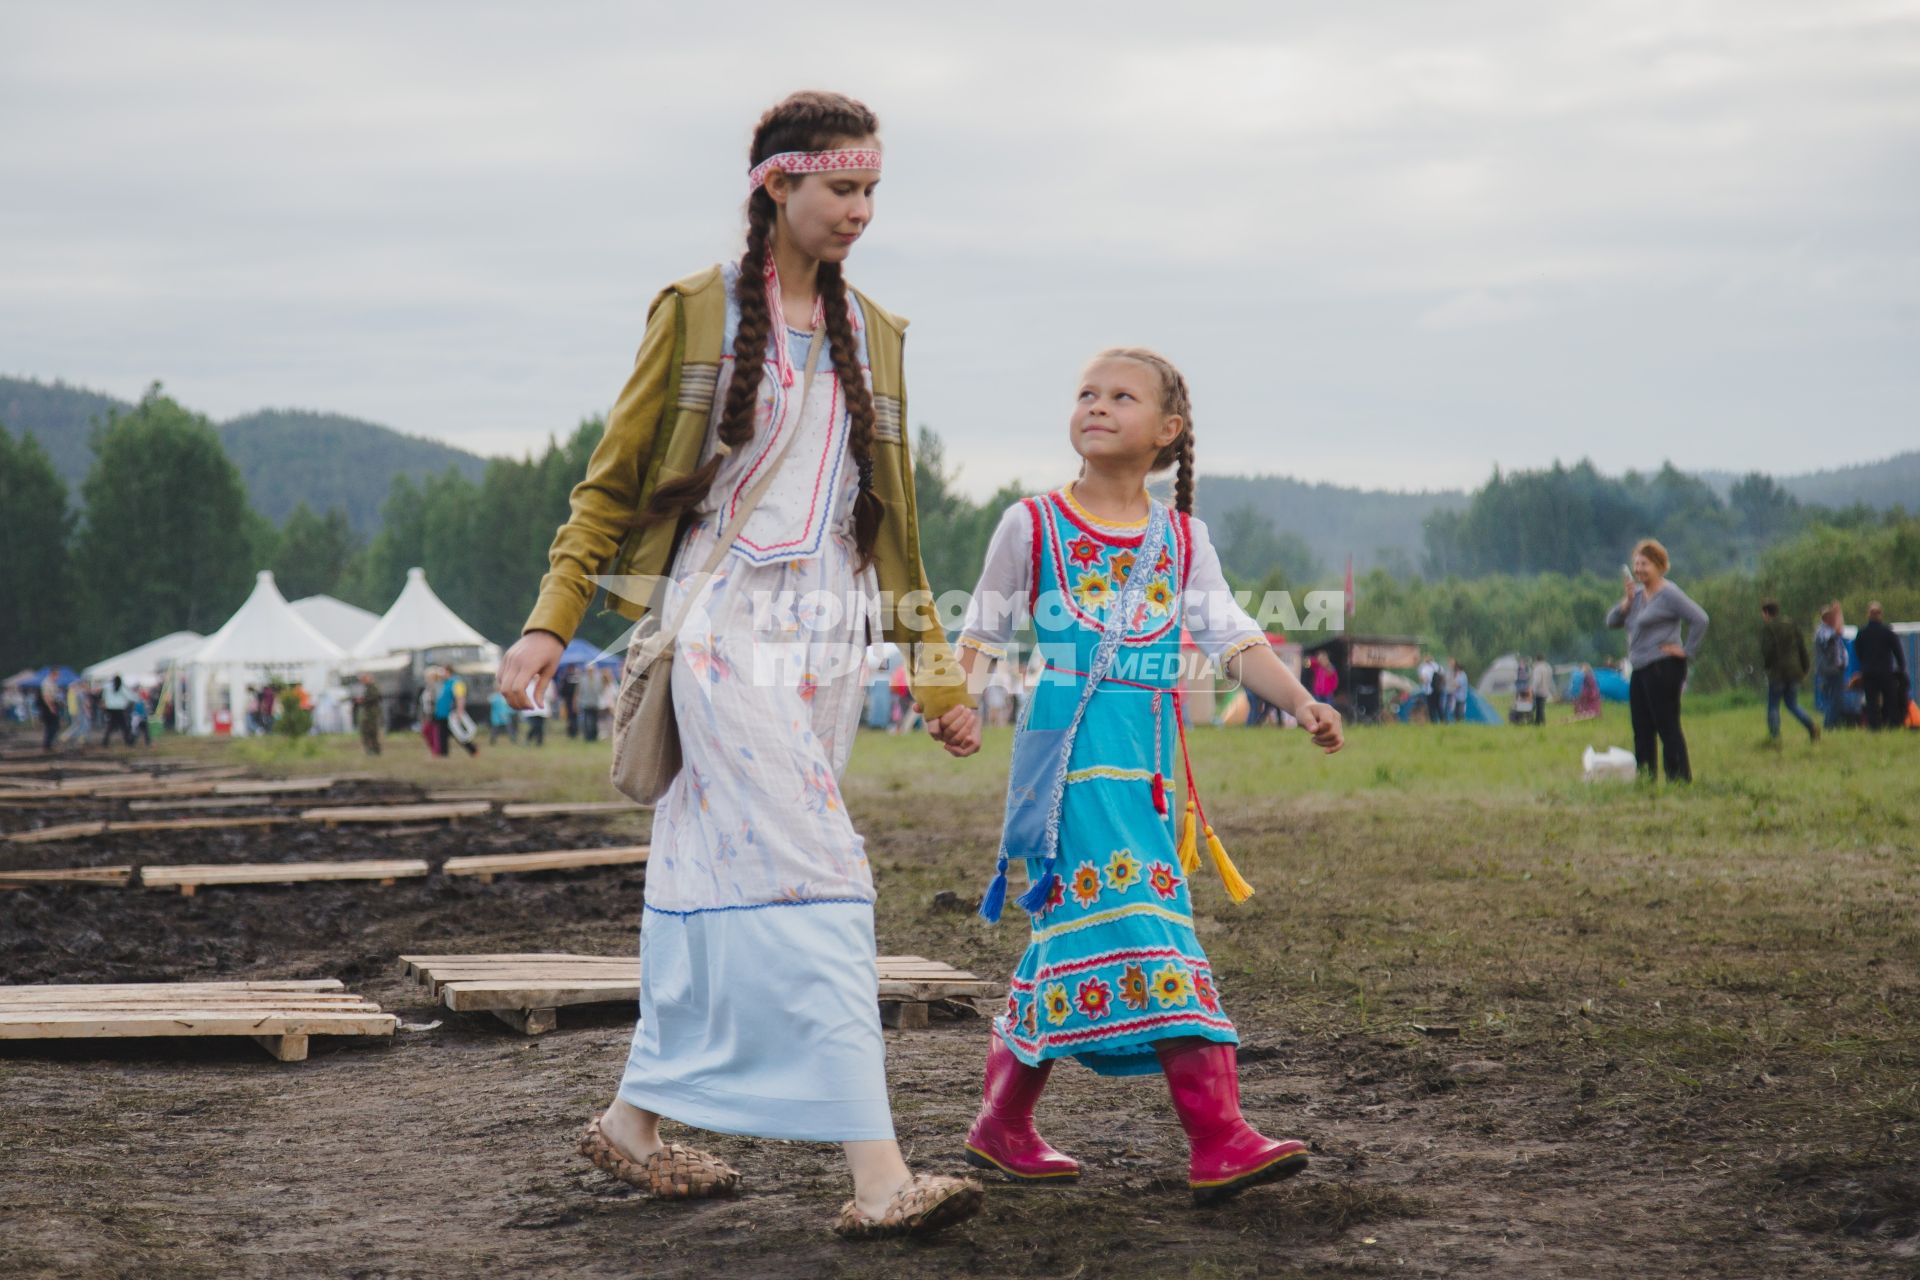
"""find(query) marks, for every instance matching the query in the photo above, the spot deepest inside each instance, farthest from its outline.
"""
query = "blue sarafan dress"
(1112, 964)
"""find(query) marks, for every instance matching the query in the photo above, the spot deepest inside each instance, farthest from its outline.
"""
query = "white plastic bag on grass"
(1613, 763)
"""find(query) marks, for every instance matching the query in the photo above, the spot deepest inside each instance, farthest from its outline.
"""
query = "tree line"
(161, 537)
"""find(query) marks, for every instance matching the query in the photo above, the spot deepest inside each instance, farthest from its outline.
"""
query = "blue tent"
(580, 654)
(66, 675)
(1613, 685)
(1478, 711)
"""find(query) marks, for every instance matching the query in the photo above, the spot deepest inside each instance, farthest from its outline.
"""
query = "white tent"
(144, 665)
(266, 637)
(418, 619)
(344, 624)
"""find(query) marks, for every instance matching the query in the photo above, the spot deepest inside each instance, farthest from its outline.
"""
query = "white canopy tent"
(419, 619)
(344, 624)
(145, 665)
(265, 638)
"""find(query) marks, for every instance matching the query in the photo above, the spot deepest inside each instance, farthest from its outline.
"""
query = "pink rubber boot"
(1003, 1136)
(1229, 1155)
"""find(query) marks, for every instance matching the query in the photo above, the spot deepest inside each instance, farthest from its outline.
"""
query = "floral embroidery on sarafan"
(1123, 871)
(1133, 987)
(1119, 566)
(1165, 562)
(1031, 1025)
(809, 686)
(1013, 1010)
(1093, 590)
(1086, 884)
(1159, 597)
(1163, 880)
(1057, 1007)
(1203, 987)
(1172, 985)
(1095, 999)
(1055, 897)
(1083, 552)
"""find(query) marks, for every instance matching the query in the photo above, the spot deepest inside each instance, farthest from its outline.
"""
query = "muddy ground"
(448, 1151)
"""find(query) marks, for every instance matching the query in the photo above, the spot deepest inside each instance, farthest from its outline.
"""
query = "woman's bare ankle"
(634, 1133)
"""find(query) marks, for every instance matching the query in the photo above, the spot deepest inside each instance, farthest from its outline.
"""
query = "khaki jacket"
(656, 432)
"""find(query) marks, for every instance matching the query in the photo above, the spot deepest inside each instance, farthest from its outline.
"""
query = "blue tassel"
(990, 906)
(1034, 900)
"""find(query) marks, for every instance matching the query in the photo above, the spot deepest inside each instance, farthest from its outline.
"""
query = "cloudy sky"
(1392, 244)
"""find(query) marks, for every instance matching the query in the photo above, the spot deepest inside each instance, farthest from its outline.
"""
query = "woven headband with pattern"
(792, 162)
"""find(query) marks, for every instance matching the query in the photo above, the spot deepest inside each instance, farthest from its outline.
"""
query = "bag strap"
(659, 641)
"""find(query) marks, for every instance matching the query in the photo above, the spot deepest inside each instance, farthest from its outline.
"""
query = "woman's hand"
(958, 731)
(535, 655)
(1323, 722)
(1673, 650)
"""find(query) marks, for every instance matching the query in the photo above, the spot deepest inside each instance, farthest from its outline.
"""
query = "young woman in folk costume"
(1113, 974)
(757, 1008)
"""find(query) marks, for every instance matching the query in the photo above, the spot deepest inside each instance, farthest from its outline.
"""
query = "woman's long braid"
(743, 392)
(1174, 401)
(867, 508)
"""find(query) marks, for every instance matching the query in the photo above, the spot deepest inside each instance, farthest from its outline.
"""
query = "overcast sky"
(1392, 245)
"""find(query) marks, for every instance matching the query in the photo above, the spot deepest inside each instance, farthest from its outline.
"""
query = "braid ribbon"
(1132, 601)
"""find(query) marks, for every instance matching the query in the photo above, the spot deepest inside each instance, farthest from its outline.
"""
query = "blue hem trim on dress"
(760, 906)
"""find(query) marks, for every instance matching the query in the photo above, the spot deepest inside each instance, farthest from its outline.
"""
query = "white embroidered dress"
(758, 1009)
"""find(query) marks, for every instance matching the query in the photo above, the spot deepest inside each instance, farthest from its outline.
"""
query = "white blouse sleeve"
(1217, 621)
(1000, 600)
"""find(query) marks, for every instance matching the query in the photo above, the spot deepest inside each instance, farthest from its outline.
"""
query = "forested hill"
(288, 456)
(1381, 530)
(1891, 482)
(284, 455)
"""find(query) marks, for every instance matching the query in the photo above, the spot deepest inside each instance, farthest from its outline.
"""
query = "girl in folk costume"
(1113, 974)
(757, 1007)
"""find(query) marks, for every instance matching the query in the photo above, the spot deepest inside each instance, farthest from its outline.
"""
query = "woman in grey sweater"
(1652, 613)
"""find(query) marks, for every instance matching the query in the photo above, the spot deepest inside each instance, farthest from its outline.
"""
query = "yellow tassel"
(1237, 887)
(1190, 842)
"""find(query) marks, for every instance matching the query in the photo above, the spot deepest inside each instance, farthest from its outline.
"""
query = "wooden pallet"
(274, 787)
(119, 877)
(189, 878)
(526, 991)
(205, 802)
(73, 766)
(487, 866)
(564, 808)
(278, 1015)
(334, 816)
(74, 830)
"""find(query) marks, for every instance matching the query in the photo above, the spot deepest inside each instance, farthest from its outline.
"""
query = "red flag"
(1349, 584)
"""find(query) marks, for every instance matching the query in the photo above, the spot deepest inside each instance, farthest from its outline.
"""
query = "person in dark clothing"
(49, 711)
(366, 710)
(116, 702)
(1883, 670)
(1783, 653)
(1654, 613)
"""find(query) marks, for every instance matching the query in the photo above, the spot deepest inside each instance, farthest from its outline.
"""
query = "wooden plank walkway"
(188, 879)
(75, 830)
(279, 1015)
(205, 802)
(117, 877)
(571, 807)
(334, 816)
(525, 991)
(488, 865)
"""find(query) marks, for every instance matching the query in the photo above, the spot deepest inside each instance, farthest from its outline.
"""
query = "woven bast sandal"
(672, 1173)
(922, 1207)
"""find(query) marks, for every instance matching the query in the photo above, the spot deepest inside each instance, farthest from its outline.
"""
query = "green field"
(1704, 997)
